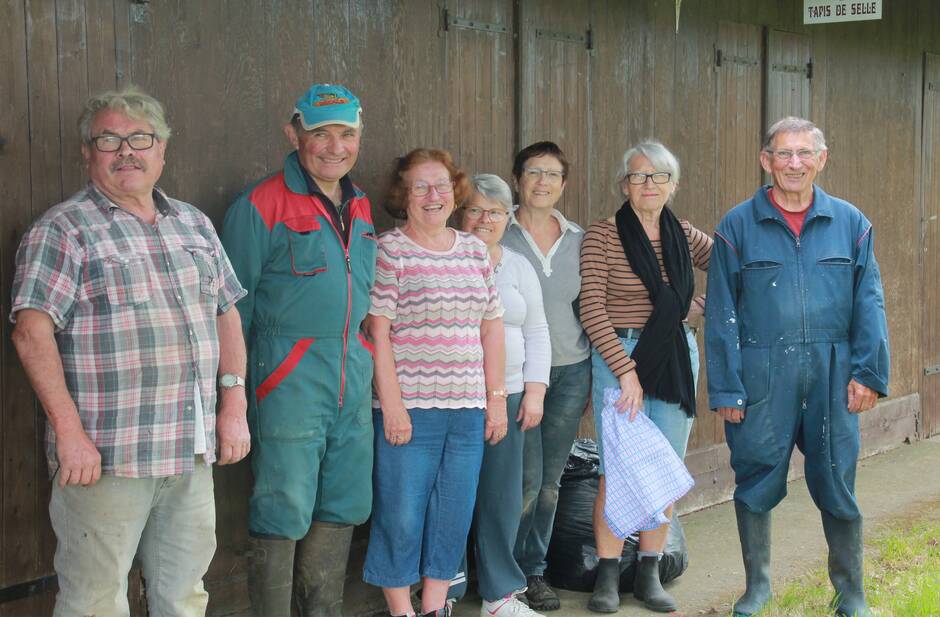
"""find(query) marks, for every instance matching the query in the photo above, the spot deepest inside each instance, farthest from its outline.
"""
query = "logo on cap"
(328, 98)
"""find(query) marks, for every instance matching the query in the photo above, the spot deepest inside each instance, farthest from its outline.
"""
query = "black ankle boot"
(648, 589)
(606, 596)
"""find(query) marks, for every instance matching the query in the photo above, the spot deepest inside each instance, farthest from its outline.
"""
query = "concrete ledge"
(887, 426)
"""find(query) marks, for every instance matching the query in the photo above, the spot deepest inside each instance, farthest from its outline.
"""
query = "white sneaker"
(508, 606)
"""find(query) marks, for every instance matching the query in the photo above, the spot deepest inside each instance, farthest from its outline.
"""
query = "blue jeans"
(546, 451)
(424, 493)
(672, 421)
(499, 506)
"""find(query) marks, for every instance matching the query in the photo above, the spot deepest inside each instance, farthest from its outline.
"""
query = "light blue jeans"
(169, 522)
(544, 456)
(672, 421)
(424, 493)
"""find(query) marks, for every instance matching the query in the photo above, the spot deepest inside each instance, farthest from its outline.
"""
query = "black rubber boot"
(845, 565)
(648, 589)
(754, 531)
(320, 569)
(606, 595)
(270, 575)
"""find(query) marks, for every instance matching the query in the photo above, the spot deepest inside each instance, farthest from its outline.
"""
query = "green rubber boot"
(270, 574)
(754, 532)
(845, 565)
(320, 569)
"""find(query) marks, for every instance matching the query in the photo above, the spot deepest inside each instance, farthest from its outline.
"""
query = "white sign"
(828, 11)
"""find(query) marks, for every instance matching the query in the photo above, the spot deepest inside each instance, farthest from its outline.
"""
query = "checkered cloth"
(643, 473)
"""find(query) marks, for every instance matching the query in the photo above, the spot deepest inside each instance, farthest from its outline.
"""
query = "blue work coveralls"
(309, 367)
(789, 321)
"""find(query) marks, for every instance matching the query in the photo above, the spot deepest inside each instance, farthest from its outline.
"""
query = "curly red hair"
(396, 202)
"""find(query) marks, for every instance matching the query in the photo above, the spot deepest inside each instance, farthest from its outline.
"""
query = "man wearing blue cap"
(302, 243)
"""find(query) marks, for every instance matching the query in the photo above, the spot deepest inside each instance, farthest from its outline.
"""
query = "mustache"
(129, 159)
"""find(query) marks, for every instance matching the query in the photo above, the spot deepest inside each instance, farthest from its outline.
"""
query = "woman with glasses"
(436, 323)
(636, 291)
(528, 361)
(551, 244)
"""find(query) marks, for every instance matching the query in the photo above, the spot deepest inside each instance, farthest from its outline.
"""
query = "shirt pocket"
(760, 277)
(127, 279)
(305, 246)
(367, 251)
(834, 289)
(205, 263)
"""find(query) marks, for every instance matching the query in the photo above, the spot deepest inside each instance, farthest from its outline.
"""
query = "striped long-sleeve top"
(436, 301)
(612, 296)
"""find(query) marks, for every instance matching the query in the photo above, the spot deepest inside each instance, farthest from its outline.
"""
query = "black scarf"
(662, 353)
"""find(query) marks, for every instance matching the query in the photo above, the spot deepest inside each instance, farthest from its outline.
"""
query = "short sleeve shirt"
(436, 302)
(134, 307)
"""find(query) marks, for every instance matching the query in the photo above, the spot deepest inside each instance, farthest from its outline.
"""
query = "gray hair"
(493, 188)
(133, 102)
(659, 157)
(792, 124)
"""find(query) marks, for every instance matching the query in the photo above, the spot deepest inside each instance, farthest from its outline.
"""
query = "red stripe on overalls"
(284, 369)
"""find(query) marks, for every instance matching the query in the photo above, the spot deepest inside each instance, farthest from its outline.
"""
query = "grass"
(902, 574)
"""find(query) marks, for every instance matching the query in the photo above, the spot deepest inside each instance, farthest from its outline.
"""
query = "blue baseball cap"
(326, 104)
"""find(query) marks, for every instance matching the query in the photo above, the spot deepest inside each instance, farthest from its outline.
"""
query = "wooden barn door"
(789, 73)
(738, 92)
(480, 78)
(930, 392)
(554, 90)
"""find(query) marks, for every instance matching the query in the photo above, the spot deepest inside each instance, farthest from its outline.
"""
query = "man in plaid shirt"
(123, 301)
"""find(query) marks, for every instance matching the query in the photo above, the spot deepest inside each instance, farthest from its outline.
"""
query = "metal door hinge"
(452, 21)
(721, 57)
(806, 70)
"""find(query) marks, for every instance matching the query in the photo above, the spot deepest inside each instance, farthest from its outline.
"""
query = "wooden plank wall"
(54, 55)
(931, 246)
(229, 73)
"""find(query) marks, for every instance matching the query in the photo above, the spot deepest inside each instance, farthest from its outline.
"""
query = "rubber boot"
(754, 532)
(845, 565)
(648, 589)
(320, 569)
(606, 595)
(270, 575)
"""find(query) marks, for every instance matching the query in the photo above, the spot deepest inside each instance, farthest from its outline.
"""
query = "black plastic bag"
(572, 555)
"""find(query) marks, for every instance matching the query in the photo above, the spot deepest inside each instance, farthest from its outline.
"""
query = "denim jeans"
(674, 423)
(546, 451)
(423, 496)
(499, 506)
(169, 522)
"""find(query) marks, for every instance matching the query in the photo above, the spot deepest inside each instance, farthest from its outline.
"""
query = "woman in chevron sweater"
(436, 323)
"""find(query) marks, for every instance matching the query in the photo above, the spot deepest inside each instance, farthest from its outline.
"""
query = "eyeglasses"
(785, 155)
(553, 175)
(112, 143)
(420, 189)
(658, 177)
(497, 215)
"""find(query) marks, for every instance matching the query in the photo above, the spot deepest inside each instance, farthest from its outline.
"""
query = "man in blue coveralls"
(303, 245)
(797, 346)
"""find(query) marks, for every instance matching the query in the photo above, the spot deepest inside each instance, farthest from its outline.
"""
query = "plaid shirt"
(134, 308)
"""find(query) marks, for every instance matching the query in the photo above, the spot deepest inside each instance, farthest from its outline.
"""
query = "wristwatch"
(229, 380)
(501, 393)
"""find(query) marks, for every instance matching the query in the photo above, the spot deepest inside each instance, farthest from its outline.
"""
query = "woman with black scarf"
(637, 288)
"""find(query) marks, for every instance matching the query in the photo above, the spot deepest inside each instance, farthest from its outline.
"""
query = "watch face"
(228, 380)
